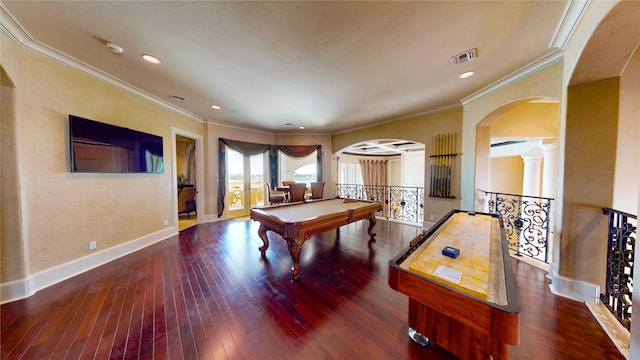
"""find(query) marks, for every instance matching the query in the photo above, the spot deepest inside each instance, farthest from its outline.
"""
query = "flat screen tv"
(104, 148)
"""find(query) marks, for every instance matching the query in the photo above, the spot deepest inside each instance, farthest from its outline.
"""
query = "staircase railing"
(527, 222)
(402, 203)
(621, 241)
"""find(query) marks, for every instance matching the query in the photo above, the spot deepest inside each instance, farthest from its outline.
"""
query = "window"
(350, 173)
(300, 170)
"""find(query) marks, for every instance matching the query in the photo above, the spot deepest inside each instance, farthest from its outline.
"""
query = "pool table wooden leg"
(372, 223)
(294, 249)
(262, 232)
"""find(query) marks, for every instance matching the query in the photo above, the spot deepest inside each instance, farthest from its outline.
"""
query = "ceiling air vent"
(464, 57)
(178, 98)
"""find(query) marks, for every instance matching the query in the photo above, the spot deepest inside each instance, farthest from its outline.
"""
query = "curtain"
(374, 176)
(297, 151)
(191, 162)
(245, 148)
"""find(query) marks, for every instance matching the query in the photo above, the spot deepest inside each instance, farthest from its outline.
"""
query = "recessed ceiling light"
(466, 74)
(151, 59)
(215, 107)
(301, 127)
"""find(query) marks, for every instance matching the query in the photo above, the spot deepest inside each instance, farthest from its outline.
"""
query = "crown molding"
(237, 127)
(523, 72)
(17, 32)
(266, 132)
(571, 16)
(404, 117)
(12, 27)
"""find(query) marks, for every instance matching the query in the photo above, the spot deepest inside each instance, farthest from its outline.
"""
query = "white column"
(549, 168)
(531, 176)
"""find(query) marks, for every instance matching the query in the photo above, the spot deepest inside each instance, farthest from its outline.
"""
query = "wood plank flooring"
(208, 294)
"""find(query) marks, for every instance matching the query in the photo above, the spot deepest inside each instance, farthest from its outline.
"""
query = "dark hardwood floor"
(208, 294)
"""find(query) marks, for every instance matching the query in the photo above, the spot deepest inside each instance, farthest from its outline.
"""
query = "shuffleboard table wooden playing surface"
(466, 303)
(296, 222)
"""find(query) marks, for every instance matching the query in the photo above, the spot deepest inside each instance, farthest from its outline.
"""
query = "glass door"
(257, 170)
(245, 182)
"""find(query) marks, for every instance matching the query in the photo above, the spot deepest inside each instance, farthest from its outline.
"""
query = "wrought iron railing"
(527, 222)
(403, 203)
(621, 241)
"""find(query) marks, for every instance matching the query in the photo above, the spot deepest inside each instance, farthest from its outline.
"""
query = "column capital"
(533, 155)
(551, 146)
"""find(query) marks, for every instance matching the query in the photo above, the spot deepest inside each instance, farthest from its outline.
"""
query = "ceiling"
(275, 66)
(384, 147)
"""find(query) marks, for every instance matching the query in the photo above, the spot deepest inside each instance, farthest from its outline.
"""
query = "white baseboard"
(19, 289)
(618, 334)
(574, 289)
(212, 218)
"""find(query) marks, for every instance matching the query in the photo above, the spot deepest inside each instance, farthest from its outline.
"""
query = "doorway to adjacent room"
(187, 172)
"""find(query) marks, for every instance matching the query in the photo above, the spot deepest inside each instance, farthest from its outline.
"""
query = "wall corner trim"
(541, 63)
(20, 289)
(571, 16)
(574, 289)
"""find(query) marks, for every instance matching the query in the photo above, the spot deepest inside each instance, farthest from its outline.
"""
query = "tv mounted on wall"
(104, 148)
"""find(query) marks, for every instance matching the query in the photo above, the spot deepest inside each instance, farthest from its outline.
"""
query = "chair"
(297, 191)
(187, 201)
(275, 197)
(316, 190)
(285, 184)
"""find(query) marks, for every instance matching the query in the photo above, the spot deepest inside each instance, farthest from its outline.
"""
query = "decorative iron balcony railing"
(401, 203)
(621, 242)
(527, 222)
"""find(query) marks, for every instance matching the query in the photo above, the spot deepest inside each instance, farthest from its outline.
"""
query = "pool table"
(296, 222)
(459, 280)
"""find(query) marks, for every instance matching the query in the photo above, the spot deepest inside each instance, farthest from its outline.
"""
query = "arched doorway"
(516, 152)
(391, 171)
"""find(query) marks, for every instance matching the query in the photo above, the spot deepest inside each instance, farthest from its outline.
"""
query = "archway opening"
(391, 171)
(516, 157)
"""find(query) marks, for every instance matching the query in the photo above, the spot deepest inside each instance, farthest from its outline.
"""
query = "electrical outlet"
(92, 245)
(166, 222)
(431, 217)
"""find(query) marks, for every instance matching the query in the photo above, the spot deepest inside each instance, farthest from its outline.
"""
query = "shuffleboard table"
(296, 222)
(459, 280)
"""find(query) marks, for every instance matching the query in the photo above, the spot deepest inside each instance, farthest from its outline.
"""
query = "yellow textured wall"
(64, 211)
(628, 156)
(12, 264)
(181, 157)
(590, 151)
(482, 173)
(12, 257)
(421, 129)
(506, 174)
(528, 120)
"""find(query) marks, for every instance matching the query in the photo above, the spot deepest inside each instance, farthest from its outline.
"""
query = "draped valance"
(302, 151)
